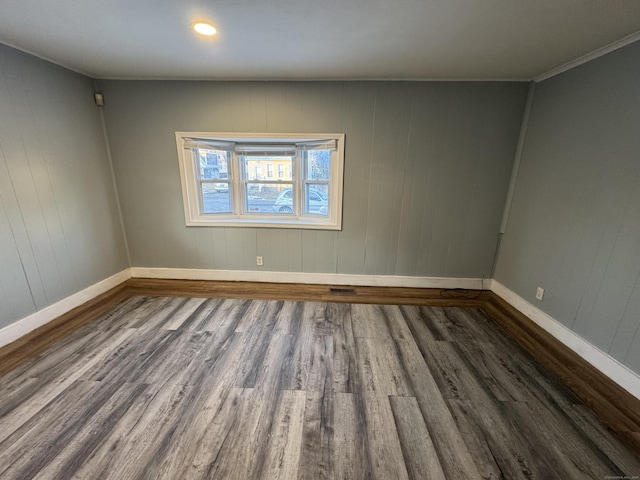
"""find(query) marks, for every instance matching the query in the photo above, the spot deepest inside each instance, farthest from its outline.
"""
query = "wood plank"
(303, 292)
(455, 459)
(383, 443)
(420, 326)
(288, 317)
(140, 441)
(181, 315)
(36, 341)
(369, 322)
(309, 362)
(206, 311)
(588, 423)
(345, 366)
(396, 323)
(163, 317)
(499, 449)
(244, 453)
(285, 439)
(454, 379)
(255, 314)
(260, 347)
(380, 368)
(318, 436)
(614, 405)
(495, 371)
(420, 455)
(571, 454)
(86, 435)
(198, 444)
(45, 432)
(153, 313)
(350, 457)
(224, 317)
(51, 389)
(320, 358)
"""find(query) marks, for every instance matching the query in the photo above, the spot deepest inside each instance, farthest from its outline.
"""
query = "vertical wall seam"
(24, 225)
(13, 234)
(405, 179)
(518, 157)
(113, 180)
(522, 137)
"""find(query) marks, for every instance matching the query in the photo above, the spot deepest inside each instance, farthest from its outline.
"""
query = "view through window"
(261, 180)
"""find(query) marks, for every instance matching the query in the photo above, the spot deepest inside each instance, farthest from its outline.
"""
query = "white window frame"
(192, 199)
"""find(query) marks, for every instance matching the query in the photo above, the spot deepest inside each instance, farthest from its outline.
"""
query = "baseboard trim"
(606, 386)
(30, 336)
(307, 278)
(608, 365)
(337, 293)
(18, 329)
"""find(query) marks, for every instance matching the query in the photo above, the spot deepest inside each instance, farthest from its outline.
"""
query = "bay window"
(229, 179)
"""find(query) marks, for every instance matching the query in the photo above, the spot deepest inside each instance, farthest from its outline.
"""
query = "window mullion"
(198, 175)
(236, 183)
(296, 187)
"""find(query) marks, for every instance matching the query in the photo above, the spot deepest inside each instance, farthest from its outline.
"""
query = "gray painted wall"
(59, 227)
(427, 167)
(575, 223)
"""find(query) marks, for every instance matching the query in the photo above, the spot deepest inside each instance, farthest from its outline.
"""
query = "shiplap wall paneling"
(15, 295)
(61, 229)
(389, 138)
(420, 161)
(358, 122)
(574, 227)
(25, 173)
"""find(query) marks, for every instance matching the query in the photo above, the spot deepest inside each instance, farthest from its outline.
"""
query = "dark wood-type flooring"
(194, 388)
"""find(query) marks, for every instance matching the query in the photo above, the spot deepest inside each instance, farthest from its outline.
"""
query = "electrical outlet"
(259, 261)
(540, 293)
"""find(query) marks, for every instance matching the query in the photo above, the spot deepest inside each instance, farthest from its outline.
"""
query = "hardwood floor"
(200, 388)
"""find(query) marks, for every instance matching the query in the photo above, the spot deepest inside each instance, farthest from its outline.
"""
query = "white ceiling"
(316, 39)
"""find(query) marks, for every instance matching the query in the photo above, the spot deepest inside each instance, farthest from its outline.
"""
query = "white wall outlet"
(259, 261)
(540, 293)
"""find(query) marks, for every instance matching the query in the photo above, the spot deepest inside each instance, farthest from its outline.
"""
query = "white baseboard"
(14, 331)
(608, 365)
(308, 278)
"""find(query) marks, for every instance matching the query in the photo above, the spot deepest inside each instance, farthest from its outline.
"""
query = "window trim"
(193, 203)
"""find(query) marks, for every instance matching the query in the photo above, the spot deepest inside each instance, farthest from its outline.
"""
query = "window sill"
(303, 224)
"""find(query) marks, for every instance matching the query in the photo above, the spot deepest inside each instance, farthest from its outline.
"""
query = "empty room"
(320, 240)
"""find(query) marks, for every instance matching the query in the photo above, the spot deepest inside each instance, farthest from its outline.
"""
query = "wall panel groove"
(426, 172)
(59, 225)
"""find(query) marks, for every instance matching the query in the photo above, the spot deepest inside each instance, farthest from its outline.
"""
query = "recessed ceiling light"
(204, 28)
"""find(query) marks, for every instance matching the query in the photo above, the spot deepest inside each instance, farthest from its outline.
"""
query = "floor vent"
(342, 290)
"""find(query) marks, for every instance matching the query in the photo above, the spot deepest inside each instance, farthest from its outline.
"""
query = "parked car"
(221, 187)
(318, 202)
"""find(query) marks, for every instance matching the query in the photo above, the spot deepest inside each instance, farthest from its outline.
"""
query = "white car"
(318, 202)
(221, 187)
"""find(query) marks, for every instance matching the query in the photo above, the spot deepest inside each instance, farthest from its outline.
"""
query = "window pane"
(317, 164)
(216, 198)
(316, 198)
(269, 198)
(213, 164)
(264, 168)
